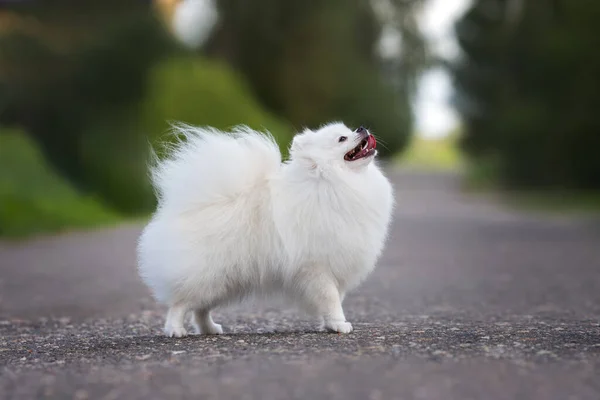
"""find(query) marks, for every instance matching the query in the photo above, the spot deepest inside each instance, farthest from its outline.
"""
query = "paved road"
(470, 301)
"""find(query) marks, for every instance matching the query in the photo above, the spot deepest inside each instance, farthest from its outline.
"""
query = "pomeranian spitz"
(235, 221)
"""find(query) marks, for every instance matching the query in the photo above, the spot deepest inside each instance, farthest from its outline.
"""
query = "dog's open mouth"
(366, 148)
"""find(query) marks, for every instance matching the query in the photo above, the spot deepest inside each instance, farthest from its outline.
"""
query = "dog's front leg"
(323, 298)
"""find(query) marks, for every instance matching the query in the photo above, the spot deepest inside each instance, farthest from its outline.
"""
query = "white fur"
(235, 221)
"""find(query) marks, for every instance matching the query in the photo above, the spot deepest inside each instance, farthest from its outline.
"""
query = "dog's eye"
(342, 139)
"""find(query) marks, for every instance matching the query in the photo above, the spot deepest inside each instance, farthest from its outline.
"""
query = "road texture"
(469, 301)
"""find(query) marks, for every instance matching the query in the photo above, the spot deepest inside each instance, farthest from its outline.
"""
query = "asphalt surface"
(470, 301)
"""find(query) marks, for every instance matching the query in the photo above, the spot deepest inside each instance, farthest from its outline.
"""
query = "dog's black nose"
(361, 129)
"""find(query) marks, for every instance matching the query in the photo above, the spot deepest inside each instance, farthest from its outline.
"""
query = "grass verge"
(34, 199)
(424, 154)
(482, 177)
(427, 154)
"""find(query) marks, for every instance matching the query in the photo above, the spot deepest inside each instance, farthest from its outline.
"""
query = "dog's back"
(210, 166)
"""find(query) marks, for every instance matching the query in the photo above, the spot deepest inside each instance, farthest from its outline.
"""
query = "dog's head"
(335, 145)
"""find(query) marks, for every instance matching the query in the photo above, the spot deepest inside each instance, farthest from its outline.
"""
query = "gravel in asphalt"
(470, 301)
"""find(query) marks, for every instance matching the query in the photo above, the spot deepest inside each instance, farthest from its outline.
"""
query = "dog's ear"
(299, 150)
(299, 141)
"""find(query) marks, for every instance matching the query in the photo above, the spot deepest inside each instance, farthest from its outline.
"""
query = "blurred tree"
(528, 89)
(314, 61)
(411, 58)
(67, 67)
(75, 76)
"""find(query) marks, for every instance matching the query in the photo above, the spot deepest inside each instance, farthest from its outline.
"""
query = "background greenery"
(528, 89)
(86, 87)
(34, 198)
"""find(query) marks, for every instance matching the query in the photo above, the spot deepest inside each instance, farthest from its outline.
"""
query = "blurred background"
(504, 91)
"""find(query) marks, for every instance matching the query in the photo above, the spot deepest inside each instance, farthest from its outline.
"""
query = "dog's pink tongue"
(372, 142)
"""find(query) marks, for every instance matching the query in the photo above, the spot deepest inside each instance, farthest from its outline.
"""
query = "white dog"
(234, 221)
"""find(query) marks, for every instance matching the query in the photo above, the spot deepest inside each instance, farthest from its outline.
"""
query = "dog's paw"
(339, 326)
(172, 331)
(213, 329)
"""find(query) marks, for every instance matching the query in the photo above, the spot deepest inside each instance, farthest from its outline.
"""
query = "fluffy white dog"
(234, 221)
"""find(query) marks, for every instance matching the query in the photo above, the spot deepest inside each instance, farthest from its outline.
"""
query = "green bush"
(76, 68)
(34, 198)
(114, 153)
(194, 91)
(204, 93)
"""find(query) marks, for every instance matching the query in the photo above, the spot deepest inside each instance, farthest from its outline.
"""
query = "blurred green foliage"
(432, 154)
(34, 198)
(529, 90)
(316, 61)
(94, 83)
(204, 92)
(71, 80)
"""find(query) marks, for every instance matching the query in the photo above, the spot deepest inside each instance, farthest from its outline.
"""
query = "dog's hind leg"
(174, 323)
(204, 324)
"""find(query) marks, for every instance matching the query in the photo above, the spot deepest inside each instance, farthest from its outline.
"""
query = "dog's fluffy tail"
(207, 165)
